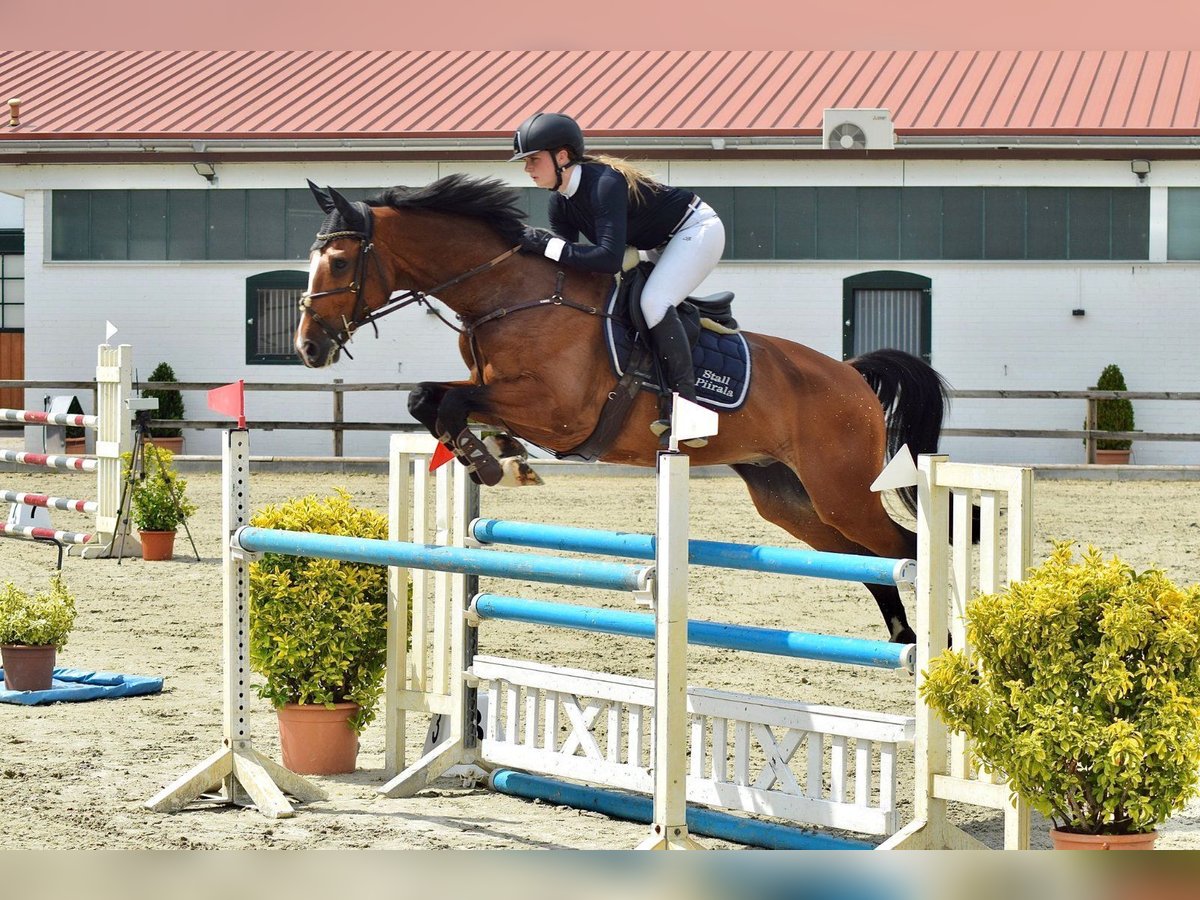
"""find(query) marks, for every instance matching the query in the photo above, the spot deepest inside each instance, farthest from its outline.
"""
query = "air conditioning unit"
(858, 129)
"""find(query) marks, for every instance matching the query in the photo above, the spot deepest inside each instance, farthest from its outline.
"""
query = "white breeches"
(683, 263)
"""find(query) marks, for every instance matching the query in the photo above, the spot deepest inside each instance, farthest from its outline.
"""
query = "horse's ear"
(323, 198)
(350, 214)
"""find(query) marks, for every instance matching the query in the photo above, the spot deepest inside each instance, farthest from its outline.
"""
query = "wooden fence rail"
(338, 425)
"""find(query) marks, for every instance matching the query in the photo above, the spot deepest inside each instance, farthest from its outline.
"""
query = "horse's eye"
(339, 265)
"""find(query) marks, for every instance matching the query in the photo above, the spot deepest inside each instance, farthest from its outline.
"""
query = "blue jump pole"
(797, 644)
(636, 808)
(468, 561)
(755, 558)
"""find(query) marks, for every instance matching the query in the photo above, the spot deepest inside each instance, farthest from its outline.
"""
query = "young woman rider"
(613, 205)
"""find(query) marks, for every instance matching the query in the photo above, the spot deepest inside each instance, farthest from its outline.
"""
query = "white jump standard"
(236, 774)
(114, 436)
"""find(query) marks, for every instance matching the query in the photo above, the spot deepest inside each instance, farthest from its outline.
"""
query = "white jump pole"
(114, 436)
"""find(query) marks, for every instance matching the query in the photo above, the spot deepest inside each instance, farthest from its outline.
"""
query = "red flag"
(230, 400)
(440, 457)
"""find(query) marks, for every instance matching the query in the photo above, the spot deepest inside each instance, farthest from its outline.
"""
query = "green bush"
(1087, 692)
(159, 499)
(1113, 415)
(36, 620)
(170, 402)
(318, 627)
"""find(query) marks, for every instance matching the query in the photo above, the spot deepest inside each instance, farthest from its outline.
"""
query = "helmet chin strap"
(558, 171)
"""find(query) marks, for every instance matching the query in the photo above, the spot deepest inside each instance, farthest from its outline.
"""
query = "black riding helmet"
(549, 131)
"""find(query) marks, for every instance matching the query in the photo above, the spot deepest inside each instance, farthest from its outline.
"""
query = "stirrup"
(659, 427)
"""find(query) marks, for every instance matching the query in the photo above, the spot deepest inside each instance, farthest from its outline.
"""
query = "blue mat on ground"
(78, 684)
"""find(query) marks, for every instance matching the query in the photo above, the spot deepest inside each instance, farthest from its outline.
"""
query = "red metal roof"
(310, 94)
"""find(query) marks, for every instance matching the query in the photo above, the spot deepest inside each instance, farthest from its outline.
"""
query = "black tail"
(914, 397)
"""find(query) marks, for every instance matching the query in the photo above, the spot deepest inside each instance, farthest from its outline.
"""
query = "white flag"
(900, 472)
(690, 420)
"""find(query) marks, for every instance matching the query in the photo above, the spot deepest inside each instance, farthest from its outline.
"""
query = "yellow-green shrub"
(159, 501)
(1087, 692)
(36, 620)
(318, 627)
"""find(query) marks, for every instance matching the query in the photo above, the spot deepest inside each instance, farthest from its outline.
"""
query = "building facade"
(1025, 258)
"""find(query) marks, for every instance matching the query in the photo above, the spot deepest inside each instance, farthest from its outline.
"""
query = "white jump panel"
(809, 764)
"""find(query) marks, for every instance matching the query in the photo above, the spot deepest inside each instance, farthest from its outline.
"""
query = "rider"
(614, 204)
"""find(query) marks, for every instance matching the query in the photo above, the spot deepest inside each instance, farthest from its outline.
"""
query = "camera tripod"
(136, 474)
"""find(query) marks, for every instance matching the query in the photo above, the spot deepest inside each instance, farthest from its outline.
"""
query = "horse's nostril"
(308, 352)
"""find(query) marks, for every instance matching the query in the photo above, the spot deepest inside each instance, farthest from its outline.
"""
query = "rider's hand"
(534, 240)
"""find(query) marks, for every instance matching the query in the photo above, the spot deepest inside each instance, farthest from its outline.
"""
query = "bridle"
(361, 315)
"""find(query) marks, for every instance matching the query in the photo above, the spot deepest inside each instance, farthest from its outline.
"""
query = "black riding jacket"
(600, 210)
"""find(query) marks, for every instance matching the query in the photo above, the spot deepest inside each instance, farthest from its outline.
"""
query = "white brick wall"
(1009, 326)
(995, 325)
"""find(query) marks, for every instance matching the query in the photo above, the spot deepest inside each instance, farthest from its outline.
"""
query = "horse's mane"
(482, 198)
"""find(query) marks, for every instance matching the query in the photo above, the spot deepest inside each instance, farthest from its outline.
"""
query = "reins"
(361, 316)
(555, 299)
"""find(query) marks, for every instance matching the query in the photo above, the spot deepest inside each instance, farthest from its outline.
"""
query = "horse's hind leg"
(780, 498)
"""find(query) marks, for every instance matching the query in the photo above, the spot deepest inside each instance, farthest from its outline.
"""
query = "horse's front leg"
(425, 400)
(444, 408)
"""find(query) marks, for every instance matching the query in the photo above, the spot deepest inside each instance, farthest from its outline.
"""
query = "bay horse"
(808, 441)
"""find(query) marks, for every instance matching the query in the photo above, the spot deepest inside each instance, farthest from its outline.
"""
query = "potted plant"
(318, 634)
(33, 628)
(170, 406)
(1113, 415)
(1084, 692)
(159, 501)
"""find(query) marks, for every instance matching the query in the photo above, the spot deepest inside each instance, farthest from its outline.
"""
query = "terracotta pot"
(28, 668)
(316, 740)
(174, 444)
(1112, 457)
(157, 544)
(1066, 840)
(75, 446)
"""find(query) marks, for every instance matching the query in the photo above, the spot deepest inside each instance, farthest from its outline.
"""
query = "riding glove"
(535, 240)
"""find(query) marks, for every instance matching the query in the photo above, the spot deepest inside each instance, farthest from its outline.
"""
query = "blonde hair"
(634, 177)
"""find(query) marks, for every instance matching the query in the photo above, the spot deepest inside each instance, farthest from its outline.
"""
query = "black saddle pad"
(721, 361)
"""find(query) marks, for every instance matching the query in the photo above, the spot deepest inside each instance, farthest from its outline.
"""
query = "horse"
(810, 438)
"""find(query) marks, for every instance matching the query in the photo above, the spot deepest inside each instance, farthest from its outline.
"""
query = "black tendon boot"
(671, 346)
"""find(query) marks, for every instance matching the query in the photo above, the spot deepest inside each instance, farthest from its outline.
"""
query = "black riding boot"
(671, 346)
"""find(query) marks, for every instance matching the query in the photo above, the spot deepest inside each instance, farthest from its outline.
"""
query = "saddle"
(720, 356)
(714, 311)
